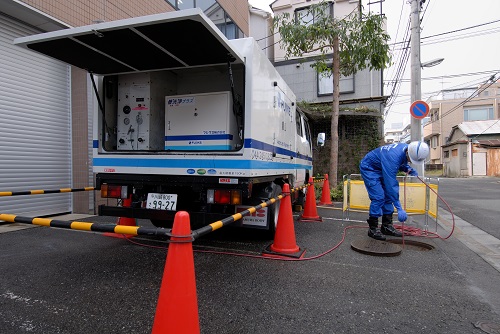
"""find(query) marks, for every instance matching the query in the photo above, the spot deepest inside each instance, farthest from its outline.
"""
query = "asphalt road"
(475, 200)
(65, 281)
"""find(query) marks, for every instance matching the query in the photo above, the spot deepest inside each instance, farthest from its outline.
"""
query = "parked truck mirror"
(321, 139)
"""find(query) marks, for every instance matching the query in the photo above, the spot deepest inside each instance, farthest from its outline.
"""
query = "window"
(306, 17)
(325, 84)
(446, 154)
(478, 114)
(308, 131)
(214, 12)
(298, 123)
(434, 142)
(454, 153)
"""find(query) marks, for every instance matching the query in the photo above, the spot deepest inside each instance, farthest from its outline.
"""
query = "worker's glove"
(402, 216)
(412, 172)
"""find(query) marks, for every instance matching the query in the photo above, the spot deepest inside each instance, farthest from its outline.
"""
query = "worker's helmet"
(418, 152)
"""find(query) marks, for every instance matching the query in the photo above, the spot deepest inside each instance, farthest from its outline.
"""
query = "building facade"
(47, 106)
(364, 88)
(451, 107)
(362, 99)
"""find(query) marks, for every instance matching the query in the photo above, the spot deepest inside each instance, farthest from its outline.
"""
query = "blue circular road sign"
(419, 109)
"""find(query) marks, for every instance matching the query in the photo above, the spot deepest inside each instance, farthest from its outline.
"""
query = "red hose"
(406, 230)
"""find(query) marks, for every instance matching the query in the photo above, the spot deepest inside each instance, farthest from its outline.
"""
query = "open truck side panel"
(186, 119)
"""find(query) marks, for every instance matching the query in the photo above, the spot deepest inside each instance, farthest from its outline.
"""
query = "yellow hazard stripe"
(65, 190)
(217, 225)
(81, 226)
(36, 192)
(122, 229)
(7, 218)
(41, 221)
(5, 193)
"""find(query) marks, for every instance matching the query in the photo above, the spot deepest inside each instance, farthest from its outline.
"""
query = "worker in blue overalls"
(379, 169)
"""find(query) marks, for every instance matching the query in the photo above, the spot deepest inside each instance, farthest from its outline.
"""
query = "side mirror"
(321, 139)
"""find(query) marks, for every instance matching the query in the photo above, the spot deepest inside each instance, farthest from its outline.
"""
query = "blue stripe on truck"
(195, 163)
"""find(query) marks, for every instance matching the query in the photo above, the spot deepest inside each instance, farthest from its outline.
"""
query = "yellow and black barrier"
(40, 191)
(237, 216)
(138, 230)
(86, 226)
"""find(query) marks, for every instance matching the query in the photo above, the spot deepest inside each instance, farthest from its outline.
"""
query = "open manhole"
(411, 244)
(375, 247)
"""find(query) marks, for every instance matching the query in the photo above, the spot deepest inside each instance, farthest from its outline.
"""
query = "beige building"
(46, 104)
(452, 107)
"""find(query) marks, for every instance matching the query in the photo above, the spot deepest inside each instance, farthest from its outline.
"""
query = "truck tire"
(162, 223)
(266, 192)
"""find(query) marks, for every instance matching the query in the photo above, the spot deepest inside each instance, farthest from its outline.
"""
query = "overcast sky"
(471, 56)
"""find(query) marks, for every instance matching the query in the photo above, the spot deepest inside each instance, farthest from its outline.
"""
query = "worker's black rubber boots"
(374, 231)
(387, 227)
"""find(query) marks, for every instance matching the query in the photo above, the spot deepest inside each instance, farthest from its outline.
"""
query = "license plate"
(162, 201)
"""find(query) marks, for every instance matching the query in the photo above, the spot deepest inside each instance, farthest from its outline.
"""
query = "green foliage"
(362, 39)
(336, 193)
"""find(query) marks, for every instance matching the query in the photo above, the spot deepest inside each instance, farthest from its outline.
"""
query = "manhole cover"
(375, 247)
(488, 327)
(412, 244)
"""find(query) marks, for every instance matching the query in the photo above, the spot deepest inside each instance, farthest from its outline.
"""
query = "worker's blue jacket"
(381, 166)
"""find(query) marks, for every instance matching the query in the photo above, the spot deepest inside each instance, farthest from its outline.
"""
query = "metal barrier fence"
(415, 196)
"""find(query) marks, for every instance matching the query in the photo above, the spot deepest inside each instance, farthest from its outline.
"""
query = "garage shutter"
(35, 132)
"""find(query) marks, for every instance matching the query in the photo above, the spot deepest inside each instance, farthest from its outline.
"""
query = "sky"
(471, 56)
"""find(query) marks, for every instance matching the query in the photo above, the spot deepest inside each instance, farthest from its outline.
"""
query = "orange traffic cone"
(125, 221)
(284, 238)
(310, 211)
(177, 308)
(127, 203)
(326, 198)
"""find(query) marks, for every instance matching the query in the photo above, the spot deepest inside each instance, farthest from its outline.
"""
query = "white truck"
(186, 119)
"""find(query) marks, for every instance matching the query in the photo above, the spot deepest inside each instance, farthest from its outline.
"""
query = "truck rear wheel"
(271, 190)
(161, 223)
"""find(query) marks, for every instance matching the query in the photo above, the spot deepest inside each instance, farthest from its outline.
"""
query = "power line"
(451, 76)
(453, 31)
(490, 81)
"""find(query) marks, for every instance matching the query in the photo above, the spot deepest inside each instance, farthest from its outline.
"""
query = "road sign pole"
(416, 92)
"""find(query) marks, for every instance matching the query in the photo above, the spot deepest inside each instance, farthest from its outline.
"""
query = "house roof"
(489, 127)
(490, 142)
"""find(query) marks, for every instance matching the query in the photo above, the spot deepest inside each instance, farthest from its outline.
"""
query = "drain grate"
(412, 244)
(488, 326)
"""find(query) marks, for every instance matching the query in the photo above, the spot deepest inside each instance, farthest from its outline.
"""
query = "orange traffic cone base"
(326, 204)
(268, 252)
(310, 219)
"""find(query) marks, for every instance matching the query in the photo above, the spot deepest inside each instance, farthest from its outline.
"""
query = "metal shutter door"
(35, 132)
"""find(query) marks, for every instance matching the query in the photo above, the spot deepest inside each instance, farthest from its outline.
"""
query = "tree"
(357, 41)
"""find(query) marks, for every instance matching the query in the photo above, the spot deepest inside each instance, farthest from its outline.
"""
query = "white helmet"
(418, 152)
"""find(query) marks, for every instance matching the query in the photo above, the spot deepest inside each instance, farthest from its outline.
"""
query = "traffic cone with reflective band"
(125, 221)
(284, 244)
(326, 198)
(177, 308)
(310, 211)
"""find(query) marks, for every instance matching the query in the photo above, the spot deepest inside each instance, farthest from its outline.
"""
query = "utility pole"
(416, 79)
